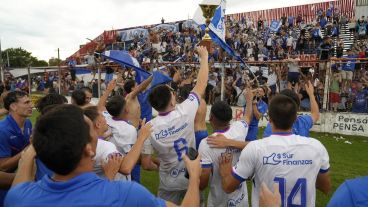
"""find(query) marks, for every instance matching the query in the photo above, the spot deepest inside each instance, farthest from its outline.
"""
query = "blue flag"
(125, 59)
(275, 25)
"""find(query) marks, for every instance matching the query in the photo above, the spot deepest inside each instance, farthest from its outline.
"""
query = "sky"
(42, 26)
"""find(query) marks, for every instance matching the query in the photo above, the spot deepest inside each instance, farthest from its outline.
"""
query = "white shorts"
(347, 75)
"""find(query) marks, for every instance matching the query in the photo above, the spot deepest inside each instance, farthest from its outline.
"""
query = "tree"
(19, 58)
(54, 61)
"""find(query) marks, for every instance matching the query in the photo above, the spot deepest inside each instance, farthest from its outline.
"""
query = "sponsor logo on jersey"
(284, 159)
(170, 131)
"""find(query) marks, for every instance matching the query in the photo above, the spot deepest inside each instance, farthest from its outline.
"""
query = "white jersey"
(209, 159)
(172, 135)
(124, 135)
(105, 149)
(292, 161)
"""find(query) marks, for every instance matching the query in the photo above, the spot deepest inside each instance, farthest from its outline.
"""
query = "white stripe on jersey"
(172, 135)
(292, 161)
(209, 158)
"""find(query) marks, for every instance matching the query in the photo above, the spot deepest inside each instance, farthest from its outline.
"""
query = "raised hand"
(145, 130)
(202, 52)
(111, 86)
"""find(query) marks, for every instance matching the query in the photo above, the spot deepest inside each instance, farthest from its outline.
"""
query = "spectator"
(360, 99)
(15, 131)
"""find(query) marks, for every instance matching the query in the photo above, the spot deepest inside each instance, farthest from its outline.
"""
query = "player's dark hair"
(115, 105)
(86, 89)
(222, 112)
(91, 112)
(291, 94)
(282, 111)
(13, 97)
(128, 85)
(79, 97)
(50, 99)
(160, 97)
(60, 137)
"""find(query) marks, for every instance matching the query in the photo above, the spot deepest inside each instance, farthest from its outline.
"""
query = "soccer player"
(297, 164)
(173, 133)
(106, 149)
(64, 139)
(123, 117)
(220, 117)
(303, 123)
(15, 131)
(351, 193)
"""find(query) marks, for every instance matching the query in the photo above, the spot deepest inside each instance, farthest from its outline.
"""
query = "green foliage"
(19, 57)
(54, 61)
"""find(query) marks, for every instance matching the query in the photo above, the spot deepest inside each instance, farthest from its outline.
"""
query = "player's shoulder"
(203, 146)
(20, 191)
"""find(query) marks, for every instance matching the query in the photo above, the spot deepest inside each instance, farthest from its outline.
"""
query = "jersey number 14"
(300, 186)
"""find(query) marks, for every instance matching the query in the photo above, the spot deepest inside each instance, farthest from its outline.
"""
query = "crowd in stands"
(286, 58)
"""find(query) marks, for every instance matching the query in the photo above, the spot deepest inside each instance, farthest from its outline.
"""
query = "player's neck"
(220, 129)
(84, 166)
(281, 131)
(18, 119)
(167, 111)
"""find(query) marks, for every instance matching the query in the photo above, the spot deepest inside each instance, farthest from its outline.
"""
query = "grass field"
(347, 161)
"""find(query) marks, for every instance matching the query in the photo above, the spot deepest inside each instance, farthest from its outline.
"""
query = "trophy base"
(208, 44)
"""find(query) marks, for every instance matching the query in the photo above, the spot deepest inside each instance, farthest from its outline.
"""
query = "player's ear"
(88, 150)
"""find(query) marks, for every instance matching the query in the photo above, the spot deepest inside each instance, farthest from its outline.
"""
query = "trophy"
(208, 11)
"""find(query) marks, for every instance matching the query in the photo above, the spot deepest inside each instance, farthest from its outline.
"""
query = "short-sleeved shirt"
(350, 64)
(253, 126)
(86, 189)
(360, 104)
(172, 135)
(104, 150)
(12, 139)
(290, 160)
(124, 134)
(352, 193)
(301, 126)
(209, 159)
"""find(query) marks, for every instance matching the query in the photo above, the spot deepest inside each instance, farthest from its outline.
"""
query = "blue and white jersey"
(124, 135)
(172, 135)
(209, 159)
(290, 160)
(104, 150)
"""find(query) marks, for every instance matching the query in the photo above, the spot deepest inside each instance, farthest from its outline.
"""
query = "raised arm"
(26, 167)
(247, 117)
(140, 88)
(202, 78)
(130, 160)
(314, 105)
(102, 102)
